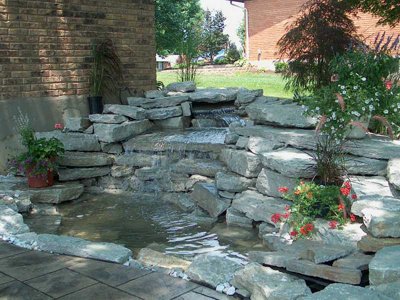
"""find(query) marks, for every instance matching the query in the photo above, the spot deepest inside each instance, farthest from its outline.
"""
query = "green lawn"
(272, 84)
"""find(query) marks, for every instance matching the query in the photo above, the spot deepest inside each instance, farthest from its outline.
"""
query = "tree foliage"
(322, 31)
(387, 10)
(241, 33)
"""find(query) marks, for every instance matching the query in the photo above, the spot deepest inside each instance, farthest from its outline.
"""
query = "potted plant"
(39, 161)
(105, 74)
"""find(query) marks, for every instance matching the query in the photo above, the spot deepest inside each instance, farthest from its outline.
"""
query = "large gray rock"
(355, 261)
(155, 94)
(77, 124)
(356, 165)
(158, 102)
(258, 207)
(150, 257)
(206, 196)
(82, 173)
(212, 270)
(173, 123)
(393, 172)
(110, 133)
(268, 183)
(385, 266)
(375, 202)
(289, 115)
(259, 145)
(265, 283)
(183, 87)
(203, 167)
(121, 171)
(391, 289)
(181, 200)
(346, 291)
(368, 243)
(369, 186)
(73, 141)
(112, 148)
(138, 160)
(164, 113)
(237, 218)
(242, 162)
(186, 109)
(107, 118)
(245, 96)
(233, 183)
(213, 95)
(79, 247)
(382, 223)
(57, 193)
(84, 159)
(132, 112)
(11, 222)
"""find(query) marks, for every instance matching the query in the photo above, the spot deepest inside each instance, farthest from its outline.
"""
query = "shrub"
(281, 66)
(233, 54)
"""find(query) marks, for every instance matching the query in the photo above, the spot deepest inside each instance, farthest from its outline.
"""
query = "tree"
(387, 10)
(232, 54)
(214, 39)
(322, 31)
(241, 32)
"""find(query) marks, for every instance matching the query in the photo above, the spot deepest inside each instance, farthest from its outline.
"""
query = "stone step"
(111, 133)
(204, 167)
(213, 95)
(164, 113)
(107, 118)
(57, 193)
(82, 173)
(84, 159)
(131, 112)
(73, 141)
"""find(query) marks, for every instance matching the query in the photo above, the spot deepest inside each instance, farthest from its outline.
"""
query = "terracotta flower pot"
(41, 181)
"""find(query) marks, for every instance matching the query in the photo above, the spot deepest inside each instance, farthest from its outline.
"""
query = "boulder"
(213, 95)
(186, 109)
(233, 183)
(393, 172)
(212, 270)
(77, 124)
(268, 183)
(369, 186)
(150, 257)
(237, 218)
(111, 148)
(57, 193)
(110, 133)
(385, 266)
(259, 145)
(231, 138)
(345, 291)
(132, 112)
(163, 113)
(245, 96)
(11, 222)
(82, 173)
(138, 160)
(107, 118)
(368, 243)
(155, 94)
(78, 247)
(183, 87)
(375, 202)
(73, 141)
(173, 123)
(391, 289)
(242, 143)
(258, 207)
(157, 102)
(206, 196)
(365, 166)
(382, 223)
(84, 159)
(289, 115)
(202, 167)
(265, 283)
(242, 162)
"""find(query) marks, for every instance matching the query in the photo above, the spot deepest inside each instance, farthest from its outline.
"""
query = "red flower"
(309, 227)
(293, 233)
(352, 218)
(58, 126)
(341, 207)
(345, 191)
(286, 215)
(388, 84)
(347, 185)
(275, 218)
(354, 197)
(283, 189)
(332, 224)
(303, 231)
(287, 207)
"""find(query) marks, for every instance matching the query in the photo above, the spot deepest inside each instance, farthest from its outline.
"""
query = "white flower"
(317, 108)
(342, 87)
(385, 111)
(344, 92)
(395, 110)
(363, 79)
(363, 109)
(355, 87)
(377, 94)
(398, 105)
(356, 113)
(371, 107)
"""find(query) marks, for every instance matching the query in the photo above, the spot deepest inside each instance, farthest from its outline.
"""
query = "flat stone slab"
(11, 222)
(183, 87)
(264, 283)
(73, 141)
(259, 145)
(355, 261)
(147, 103)
(233, 183)
(150, 257)
(77, 124)
(181, 200)
(368, 243)
(84, 159)
(242, 162)
(107, 118)
(319, 252)
(385, 266)
(258, 207)
(112, 148)
(153, 94)
(213, 95)
(393, 172)
(173, 123)
(132, 112)
(206, 196)
(82, 173)
(269, 182)
(110, 133)
(138, 160)
(376, 202)
(276, 258)
(382, 223)
(212, 270)
(202, 167)
(369, 186)
(237, 218)
(57, 193)
(391, 289)
(79, 247)
(163, 113)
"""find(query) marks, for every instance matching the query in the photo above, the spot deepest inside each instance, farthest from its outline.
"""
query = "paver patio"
(26, 274)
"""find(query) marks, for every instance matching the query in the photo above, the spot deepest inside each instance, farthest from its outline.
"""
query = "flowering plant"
(311, 201)
(359, 90)
(40, 156)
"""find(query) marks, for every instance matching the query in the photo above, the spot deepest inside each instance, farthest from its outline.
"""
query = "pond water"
(138, 222)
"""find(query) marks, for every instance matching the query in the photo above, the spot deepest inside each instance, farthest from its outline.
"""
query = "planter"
(95, 104)
(41, 181)
(358, 132)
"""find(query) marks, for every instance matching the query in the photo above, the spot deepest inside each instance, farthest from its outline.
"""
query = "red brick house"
(267, 20)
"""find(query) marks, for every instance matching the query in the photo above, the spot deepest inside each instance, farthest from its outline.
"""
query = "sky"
(233, 15)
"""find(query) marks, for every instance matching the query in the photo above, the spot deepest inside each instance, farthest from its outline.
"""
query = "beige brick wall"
(45, 44)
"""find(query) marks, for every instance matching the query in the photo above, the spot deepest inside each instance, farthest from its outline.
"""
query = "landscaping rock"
(276, 258)
(237, 218)
(132, 112)
(111, 148)
(138, 160)
(77, 124)
(319, 252)
(150, 173)
(259, 145)
(202, 167)
(181, 200)
(264, 283)
(183, 87)
(206, 196)
(78, 247)
(212, 270)
(358, 261)
(268, 183)
(82, 173)
(108, 119)
(393, 172)
(155, 94)
(385, 266)
(164, 113)
(368, 243)
(204, 123)
(150, 257)
(345, 291)
(391, 289)
(233, 183)
(374, 147)
(110, 133)
(258, 207)
(266, 228)
(121, 171)
(241, 162)
(73, 141)
(242, 143)
(173, 123)
(11, 222)
(157, 102)
(57, 193)
(245, 96)
(84, 159)
(375, 202)
(382, 223)
(186, 109)
(213, 95)
(365, 166)
(369, 186)
(113, 183)
(231, 138)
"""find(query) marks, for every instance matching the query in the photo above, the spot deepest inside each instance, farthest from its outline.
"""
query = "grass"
(271, 83)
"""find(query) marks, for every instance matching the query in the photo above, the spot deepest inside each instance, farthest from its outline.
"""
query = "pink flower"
(58, 126)
(286, 215)
(333, 224)
(352, 218)
(388, 84)
(354, 197)
(283, 189)
(287, 207)
(275, 218)
(347, 184)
